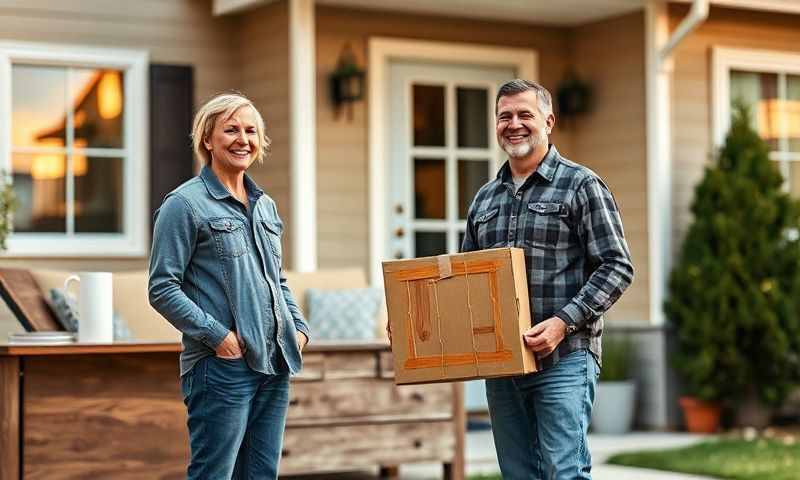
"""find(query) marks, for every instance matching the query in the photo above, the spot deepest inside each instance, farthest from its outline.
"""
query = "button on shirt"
(215, 267)
(566, 220)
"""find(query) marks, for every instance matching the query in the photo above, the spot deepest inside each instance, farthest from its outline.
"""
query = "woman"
(215, 274)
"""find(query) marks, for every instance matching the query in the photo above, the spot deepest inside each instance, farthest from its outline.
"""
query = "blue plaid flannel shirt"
(566, 220)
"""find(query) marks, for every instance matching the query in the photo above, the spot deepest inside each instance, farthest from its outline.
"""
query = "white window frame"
(132, 242)
(761, 61)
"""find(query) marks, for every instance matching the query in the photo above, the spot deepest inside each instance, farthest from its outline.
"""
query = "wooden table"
(114, 411)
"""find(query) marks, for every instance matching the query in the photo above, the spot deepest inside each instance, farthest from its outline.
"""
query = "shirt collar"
(218, 190)
(546, 169)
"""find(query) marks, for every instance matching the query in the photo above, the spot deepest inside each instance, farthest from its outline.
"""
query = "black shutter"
(171, 108)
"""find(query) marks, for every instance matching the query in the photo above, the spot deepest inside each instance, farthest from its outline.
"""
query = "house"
(107, 86)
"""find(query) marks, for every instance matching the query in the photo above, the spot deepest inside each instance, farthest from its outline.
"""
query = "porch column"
(659, 155)
(303, 139)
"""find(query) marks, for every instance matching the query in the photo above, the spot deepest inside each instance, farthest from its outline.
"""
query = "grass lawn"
(761, 459)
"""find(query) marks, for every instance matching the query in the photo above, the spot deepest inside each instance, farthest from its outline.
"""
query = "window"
(73, 140)
(769, 83)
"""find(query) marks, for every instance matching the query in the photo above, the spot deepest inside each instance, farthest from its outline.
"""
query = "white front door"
(441, 151)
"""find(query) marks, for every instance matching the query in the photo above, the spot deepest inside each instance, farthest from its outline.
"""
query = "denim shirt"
(215, 267)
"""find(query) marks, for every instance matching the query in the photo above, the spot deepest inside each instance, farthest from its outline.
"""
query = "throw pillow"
(65, 308)
(346, 314)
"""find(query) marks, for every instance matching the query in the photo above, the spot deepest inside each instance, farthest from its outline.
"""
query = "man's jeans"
(236, 420)
(540, 421)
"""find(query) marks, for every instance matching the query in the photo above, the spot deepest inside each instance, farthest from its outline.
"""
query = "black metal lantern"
(347, 81)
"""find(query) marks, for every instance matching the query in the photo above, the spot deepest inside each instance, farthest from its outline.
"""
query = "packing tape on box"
(445, 267)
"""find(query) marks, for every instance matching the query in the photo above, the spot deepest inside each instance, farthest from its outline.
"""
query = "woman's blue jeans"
(540, 421)
(236, 420)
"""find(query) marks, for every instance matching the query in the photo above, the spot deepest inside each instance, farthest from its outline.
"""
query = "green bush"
(734, 293)
(617, 358)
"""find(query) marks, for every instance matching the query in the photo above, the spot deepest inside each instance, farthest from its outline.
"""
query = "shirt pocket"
(547, 225)
(229, 237)
(272, 232)
(487, 228)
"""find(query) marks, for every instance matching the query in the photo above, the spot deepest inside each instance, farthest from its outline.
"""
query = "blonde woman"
(215, 274)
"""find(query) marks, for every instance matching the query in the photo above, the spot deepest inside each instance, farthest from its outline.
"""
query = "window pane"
(793, 111)
(472, 175)
(38, 106)
(39, 182)
(760, 92)
(428, 116)
(428, 244)
(429, 188)
(98, 108)
(473, 117)
(98, 194)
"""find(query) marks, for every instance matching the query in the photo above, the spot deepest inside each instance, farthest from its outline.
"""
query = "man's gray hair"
(518, 85)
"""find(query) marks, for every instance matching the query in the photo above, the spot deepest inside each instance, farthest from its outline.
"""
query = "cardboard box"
(459, 317)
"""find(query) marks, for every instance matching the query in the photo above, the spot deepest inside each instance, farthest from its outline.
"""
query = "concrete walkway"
(481, 458)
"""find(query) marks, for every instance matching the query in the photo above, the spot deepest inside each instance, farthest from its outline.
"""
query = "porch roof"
(563, 13)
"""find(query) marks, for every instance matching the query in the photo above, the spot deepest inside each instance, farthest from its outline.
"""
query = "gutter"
(697, 15)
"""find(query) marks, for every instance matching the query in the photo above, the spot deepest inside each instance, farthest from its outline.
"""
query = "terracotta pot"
(700, 416)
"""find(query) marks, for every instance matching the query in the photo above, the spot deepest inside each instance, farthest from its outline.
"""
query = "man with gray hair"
(578, 264)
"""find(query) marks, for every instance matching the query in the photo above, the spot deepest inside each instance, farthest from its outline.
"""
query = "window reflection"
(43, 147)
(39, 182)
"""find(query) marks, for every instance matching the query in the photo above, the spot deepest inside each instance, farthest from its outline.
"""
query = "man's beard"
(524, 149)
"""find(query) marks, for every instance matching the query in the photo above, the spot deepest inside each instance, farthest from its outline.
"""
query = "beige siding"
(264, 64)
(692, 104)
(611, 139)
(342, 142)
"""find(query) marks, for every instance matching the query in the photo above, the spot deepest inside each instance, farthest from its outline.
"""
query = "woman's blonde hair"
(224, 105)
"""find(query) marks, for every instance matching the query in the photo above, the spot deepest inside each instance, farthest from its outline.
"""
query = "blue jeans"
(540, 420)
(236, 420)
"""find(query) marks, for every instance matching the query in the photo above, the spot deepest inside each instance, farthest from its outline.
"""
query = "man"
(578, 265)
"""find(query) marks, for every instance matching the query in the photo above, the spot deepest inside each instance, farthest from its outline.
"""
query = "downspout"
(697, 15)
(659, 48)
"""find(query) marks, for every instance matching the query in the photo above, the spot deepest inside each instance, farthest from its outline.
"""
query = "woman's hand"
(230, 347)
(302, 340)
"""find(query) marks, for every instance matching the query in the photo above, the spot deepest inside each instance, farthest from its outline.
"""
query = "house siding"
(692, 102)
(611, 139)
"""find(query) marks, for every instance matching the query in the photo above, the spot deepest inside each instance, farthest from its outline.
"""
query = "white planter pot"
(614, 405)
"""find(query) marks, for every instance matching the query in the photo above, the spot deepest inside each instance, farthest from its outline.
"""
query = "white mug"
(95, 309)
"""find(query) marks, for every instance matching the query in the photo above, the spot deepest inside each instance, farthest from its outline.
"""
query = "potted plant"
(734, 293)
(615, 398)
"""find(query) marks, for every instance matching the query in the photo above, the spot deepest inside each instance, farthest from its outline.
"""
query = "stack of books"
(41, 338)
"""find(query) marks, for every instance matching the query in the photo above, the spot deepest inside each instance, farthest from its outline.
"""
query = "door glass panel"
(473, 117)
(429, 188)
(793, 111)
(38, 106)
(427, 244)
(472, 175)
(40, 186)
(98, 194)
(428, 116)
(760, 92)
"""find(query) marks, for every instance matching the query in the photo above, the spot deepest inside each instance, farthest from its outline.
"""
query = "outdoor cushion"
(343, 314)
